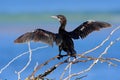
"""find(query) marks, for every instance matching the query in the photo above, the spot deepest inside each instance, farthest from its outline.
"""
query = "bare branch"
(28, 63)
(17, 57)
(70, 61)
(40, 66)
(95, 61)
(101, 44)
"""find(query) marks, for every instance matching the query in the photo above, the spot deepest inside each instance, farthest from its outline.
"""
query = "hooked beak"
(55, 17)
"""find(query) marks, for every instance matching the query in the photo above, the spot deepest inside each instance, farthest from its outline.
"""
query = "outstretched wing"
(39, 35)
(86, 28)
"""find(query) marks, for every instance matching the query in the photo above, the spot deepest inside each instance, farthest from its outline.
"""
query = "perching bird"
(63, 38)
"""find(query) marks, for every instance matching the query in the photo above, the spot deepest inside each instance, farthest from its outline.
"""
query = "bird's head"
(60, 18)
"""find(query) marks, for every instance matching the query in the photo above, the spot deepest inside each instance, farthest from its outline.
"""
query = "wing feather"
(86, 28)
(39, 35)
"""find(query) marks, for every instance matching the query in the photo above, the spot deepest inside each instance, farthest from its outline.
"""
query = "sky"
(13, 6)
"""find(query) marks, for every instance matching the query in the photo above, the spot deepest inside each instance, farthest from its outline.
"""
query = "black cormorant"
(63, 38)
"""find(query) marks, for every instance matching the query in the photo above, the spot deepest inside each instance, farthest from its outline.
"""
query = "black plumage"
(63, 38)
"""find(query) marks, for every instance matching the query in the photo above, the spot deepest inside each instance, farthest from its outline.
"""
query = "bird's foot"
(73, 55)
(59, 57)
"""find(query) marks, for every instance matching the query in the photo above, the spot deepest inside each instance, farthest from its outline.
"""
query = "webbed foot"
(73, 55)
(59, 57)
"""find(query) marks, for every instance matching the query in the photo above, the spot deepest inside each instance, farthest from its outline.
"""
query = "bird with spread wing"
(63, 38)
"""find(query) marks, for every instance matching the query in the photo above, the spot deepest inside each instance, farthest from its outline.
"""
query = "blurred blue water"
(8, 50)
(20, 16)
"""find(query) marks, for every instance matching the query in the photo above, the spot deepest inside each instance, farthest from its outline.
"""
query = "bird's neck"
(63, 24)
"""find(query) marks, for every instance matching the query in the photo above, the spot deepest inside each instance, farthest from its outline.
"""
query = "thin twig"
(93, 49)
(70, 67)
(40, 66)
(28, 63)
(95, 61)
(102, 43)
(41, 76)
(17, 57)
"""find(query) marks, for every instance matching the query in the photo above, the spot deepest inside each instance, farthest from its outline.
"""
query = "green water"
(45, 17)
